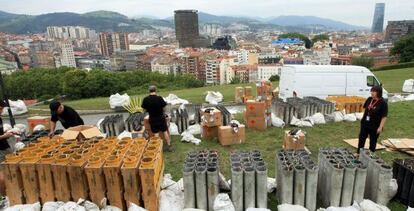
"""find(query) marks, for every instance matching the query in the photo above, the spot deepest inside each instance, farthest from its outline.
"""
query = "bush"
(364, 61)
(395, 66)
(76, 84)
(274, 78)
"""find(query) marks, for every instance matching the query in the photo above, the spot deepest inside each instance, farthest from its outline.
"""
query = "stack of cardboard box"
(231, 134)
(243, 94)
(294, 142)
(211, 120)
(255, 115)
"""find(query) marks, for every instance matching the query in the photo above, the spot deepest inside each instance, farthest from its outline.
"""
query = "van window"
(372, 81)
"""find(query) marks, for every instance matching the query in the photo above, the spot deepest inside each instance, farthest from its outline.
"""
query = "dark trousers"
(363, 135)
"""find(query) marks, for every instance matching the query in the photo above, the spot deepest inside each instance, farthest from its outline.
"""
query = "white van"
(326, 80)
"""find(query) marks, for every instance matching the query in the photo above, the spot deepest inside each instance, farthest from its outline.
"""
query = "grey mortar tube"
(299, 182)
(376, 166)
(237, 188)
(383, 191)
(261, 186)
(286, 185)
(201, 187)
(189, 186)
(212, 186)
(359, 184)
(348, 185)
(336, 178)
(311, 187)
(249, 188)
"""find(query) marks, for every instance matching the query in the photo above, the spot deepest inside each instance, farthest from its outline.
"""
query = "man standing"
(4, 147)
(155, 105)
(67, 116)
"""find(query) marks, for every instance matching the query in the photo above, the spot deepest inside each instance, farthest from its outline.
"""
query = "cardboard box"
(255, 109)
(239, 94)
(291, 142)
(81, 132)
(209, 132)
(228, 136)
(247, 98)
(257, 123)
(32, 122)
(248, 91)
(212, 118)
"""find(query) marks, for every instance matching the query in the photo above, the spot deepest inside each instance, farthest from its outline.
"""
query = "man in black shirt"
(373, 120)
(67, 116)
(155, 105)
(4, 146)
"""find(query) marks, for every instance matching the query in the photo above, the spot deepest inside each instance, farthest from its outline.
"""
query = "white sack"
(17, 107)
(188, 137)
(194, 129)
(21, 127)
(396, 98)
(257, 209)
(277, 122)
(271, 184)
(300, 123)
(39, 128)
(167, 181)
(134, 207)
(354, 207)
(408, 85)
(175, 100)
(290, 207)
(223, 184)
(88, 205)
(359, 115)
(409, 97)
(318, 118)
(124, 134)
(25, 207)
(52, 205)
(350, 118)
(223, 203)
(214, 97)
(192, 209)
(410, 209)
(173, 129)
(98, 124)
(172, 198)
(71, 206)
(367, 205)
(118, 100)
(7, 127)
(338, 116)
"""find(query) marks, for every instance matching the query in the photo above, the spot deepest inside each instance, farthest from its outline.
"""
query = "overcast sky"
(357, 12)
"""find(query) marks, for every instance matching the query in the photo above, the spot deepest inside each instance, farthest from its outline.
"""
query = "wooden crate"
(13, 180)
(114, 182)
(45, 177)
(96, 180)
(131, 179)
(77, 178)
(151, 179)
(61, 178)
(30, 180)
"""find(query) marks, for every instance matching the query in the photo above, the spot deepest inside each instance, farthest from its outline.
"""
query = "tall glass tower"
(378, 22)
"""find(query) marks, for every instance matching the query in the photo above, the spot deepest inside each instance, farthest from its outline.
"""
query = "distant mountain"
(293, 20)
(105, 14)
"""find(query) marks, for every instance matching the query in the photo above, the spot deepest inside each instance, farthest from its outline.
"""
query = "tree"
(404, 49)
(274, 78)
(308, 42)
(235, 80)
(320, 37)
(365, 61)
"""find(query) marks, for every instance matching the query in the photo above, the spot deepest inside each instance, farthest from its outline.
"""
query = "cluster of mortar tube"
(201, 179)
(378, 178)
(342, 178)
(248, 180)
(297, 178)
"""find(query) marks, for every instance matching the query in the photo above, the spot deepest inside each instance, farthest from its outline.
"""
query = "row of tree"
(76, 84)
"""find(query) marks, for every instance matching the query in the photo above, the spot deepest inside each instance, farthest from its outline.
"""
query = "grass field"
(399, 125)
(393, 80)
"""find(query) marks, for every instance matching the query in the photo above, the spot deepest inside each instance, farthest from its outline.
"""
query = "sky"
(356, 12)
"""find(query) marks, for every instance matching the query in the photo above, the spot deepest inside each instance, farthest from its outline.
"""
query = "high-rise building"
(67, 56)
(398, 29)
(186, 30)
(73, 32)
(378, 21)
(41, 54)
(112, 42)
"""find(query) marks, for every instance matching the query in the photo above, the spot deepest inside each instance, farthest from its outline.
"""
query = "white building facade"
(67, 56)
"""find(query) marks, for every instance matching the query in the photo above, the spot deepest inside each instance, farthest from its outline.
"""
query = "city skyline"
(340, 10)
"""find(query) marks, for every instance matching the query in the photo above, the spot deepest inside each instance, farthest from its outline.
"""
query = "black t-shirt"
(3, 142)
(154, 105)
(68, 118)
(379, 110)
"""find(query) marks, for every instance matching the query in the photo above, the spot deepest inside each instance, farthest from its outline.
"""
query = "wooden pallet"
(13, 182)
(151, 186)
(45, 177)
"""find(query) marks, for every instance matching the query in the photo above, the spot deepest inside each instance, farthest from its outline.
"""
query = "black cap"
(2, 104)
(54, 107)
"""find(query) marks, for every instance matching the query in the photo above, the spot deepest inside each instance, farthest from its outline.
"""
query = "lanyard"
(372, 104)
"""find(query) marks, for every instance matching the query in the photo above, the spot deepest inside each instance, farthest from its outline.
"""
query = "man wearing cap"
(155, 105)
(67, 116)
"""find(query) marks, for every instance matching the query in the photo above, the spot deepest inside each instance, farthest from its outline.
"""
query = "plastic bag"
(39, 128)
(396, 98)
(222, 202)
(300, 123)
(223, 184)
(172, 199)
(118, 100)
(52, 205)
(318, 119)
(354, 207)
(134, 207)
(71, 206)
(25, 207)
(409, 97)
(350, 118)
(410, 209)
(188, 137)
(338, 116)
(167, 181)
(192, 209)
(367, 205)
(107, 207)
(194, 129)
(359, 115)
(98, 124)
(408, 85)
(214, 97)
(277, 122)
(257, 209)
(7, 127)
(290, 207)
(124, 134)
(271, 184)
(21, 127)
(174, 100)
(17, 107)
(173, 129)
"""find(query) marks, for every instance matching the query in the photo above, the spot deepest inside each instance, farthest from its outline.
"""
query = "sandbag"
(38, 128)
(214, 97)
(52, 205)
(194, 129)
(21, 127)
(318, 118)
(71, 206)
(300, 123)
(409, 97)
(223, 184)
(25, 207)
(188, 137)
(271, 184)
(354, 207)
(350, 118)
(134, 207)
(124, 134)
(223, 203)
(118, 100)
(7, 127)
(172, 198)
(276, 121)
(290, 207)
(368, 205)
(257, 209)
(408, 85)
(338, 116)
(167, 181)
(359, 115)
(88, 205)
(18, 107)
(175, 100)
(410, 209)
(396, 98)
(173, 129)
